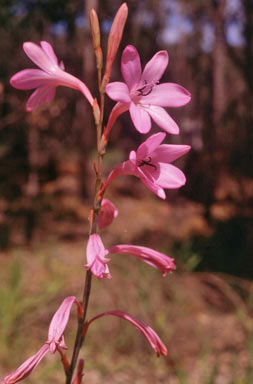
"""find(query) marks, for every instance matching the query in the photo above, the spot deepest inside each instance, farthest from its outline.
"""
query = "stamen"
(146, 89)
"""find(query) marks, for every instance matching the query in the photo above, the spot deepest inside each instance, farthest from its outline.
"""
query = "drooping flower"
(46, 79)
(154, 258)
(55, 342)
(95, 255)
(142, 94)
(151, 336)
(150, 163)
(107, 213)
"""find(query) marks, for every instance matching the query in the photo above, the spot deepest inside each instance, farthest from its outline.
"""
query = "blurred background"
(203, 311)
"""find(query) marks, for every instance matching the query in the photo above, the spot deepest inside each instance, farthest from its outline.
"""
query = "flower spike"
(45, 80)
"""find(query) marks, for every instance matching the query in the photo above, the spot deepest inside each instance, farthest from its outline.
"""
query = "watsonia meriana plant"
(145, 98)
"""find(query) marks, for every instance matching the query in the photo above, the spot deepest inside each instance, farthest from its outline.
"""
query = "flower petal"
(166, 153)
(169, 176)
(95, 255)
(39, 96)
(154, 187)
(155, 68)
(167, 95)
(39, 57)
(163, 119)
(117, 110)
(48, 49)
(27, 367)
(140, 118)
(118, 91)
(29, 79)
(59, 322)
(131, 67)
(149, 145)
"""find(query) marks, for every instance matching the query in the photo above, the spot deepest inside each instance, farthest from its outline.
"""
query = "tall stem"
(80, 334)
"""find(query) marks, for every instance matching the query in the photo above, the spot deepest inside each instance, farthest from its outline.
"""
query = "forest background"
(203, 311)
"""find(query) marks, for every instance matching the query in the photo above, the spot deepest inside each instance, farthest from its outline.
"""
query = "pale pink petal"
(59, 322)
(166, 153)
(155, 68)
(29, 79)
(149, 145)
(154, 258)
(107, 213)
(151, 336)
(163, 119)
(131, 67)
(140, 118)
(39, 57)
(96, 260)
(48, 49)
(118, 91)
(40, 95)
(154, 187)
(26, 368)
(169, 176)
(167, 95)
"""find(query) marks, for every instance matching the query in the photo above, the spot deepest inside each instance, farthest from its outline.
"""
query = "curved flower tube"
(151, 336)
(150, 163)
(142, 94)
(154, 258)
(55, 342)
(45, 80)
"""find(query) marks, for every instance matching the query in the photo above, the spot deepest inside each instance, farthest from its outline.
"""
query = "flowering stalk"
(98, 111)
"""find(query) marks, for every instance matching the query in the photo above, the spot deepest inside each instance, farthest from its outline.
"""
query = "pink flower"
(107, 213)
(154, 258)
(55, 342)
(58, 324)
(143, 95)
(46, 79)
(150, 163)
(148, 332)
(96, 260)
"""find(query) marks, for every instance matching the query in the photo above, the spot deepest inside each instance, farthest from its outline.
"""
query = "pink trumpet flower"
(55, 342)
(142, 94)
(107, 213)
(96, 260)
(151, 336)
(46, 79)
(150, 163)
(154, 258)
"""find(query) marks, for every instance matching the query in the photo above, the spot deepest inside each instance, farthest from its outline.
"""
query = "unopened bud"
(95, 31)
(114, 40)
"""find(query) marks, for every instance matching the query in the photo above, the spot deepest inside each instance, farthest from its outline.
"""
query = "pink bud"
(151, 336)
(107, 213)
(114, 40)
